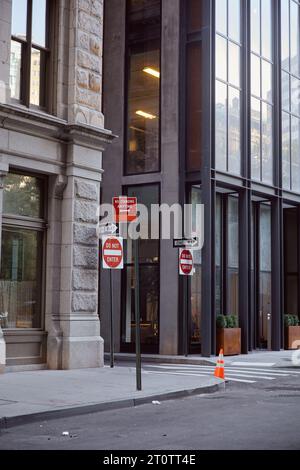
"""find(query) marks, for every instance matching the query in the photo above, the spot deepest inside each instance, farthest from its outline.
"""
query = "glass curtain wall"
(290, 75)
(262, 91)
(228, 86)
(143, 86)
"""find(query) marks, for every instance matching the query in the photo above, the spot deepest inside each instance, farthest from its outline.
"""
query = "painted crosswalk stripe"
(208, 369)
(199, 375)
(228, 374)
(254, 364)
(243, 381)
(290, 371)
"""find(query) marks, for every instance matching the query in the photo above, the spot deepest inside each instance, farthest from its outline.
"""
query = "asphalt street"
(255, 414)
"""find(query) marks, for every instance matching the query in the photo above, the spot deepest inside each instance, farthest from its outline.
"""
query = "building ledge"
(40, 124)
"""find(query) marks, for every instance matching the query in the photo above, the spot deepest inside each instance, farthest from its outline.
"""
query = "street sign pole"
(185, 316)
(137, 318)
(112, 362)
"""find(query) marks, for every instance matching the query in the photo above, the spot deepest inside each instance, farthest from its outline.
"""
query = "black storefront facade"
(205, 99)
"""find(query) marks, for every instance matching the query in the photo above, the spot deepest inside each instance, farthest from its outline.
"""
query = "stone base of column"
(81, 353)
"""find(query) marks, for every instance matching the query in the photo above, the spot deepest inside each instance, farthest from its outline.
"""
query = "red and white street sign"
(125, 209)
(112, 253)
(186, 262)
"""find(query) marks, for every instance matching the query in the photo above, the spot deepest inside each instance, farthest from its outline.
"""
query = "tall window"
(143, 87)
(227, 254)
(290, 64)
(228, 86)
(29, 51)
(193, 85)
(262, 91)
(22, 251)
(149, 281)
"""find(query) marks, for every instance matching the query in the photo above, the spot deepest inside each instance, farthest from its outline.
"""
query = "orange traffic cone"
(220, 371)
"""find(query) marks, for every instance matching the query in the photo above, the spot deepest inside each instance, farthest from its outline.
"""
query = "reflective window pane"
(19, 18)
(221, 126)
(23, 195)
(255, 138)
(233, 255)
(234, 131)
(295, 131)
(265, 239)
(35, 83)
(267, 143)
(285, 34)
(266, 86)
(221, 16)
(255, 75)
(149, 306)
(143, 87)
(39, 22)
(285, 97)
(255, 26)
(266, 30)
(295, 96)
(221, 58)
(295, 39)
(234, 20)
(15, 70)
(20, 278)
(149, 248)
(234, 64)
(286, 151)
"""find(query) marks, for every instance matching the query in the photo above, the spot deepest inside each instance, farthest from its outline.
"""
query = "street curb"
(13, 421)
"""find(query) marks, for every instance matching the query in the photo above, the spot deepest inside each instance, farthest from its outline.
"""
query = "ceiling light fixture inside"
(151, 71)
(145, 115)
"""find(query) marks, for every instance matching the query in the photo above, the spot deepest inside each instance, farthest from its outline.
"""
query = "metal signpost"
(186, 269)
(125, 209)
(112, 258)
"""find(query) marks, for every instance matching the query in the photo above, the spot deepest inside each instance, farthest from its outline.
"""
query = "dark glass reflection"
(23, 195)
(20, 278)
(143, 116)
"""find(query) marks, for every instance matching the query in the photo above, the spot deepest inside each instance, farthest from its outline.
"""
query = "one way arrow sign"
(186, 243)
(108, 229)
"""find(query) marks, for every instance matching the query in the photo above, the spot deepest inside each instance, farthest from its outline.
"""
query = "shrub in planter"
(228, 335)
(291, 331)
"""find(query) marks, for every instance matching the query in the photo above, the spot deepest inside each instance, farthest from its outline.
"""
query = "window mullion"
(27, 68)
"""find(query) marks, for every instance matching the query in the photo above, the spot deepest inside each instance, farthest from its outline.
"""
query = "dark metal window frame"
(126, 97)
(260, 98)
(26, 49)
(229, 85)
(130, 347)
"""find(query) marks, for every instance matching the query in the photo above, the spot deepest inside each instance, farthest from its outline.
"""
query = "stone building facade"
(50, 178)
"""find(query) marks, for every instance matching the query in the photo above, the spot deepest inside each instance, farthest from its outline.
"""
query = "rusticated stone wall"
(85, 78)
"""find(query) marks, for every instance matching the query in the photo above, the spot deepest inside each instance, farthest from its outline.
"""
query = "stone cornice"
(21, 119)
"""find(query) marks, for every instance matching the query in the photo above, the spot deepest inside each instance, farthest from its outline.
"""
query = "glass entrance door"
(262, 273)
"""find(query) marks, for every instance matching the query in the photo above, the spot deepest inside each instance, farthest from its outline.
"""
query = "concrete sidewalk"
(272, 358)
(45, 394)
